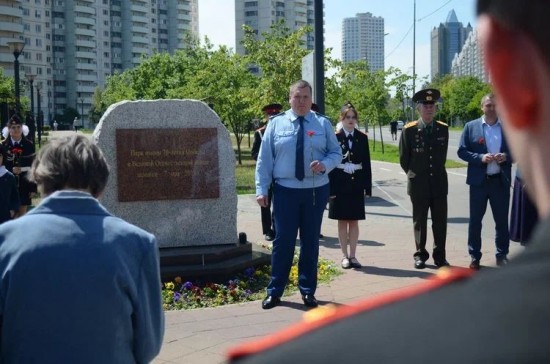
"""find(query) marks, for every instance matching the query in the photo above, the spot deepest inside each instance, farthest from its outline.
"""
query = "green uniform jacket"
(423, 159)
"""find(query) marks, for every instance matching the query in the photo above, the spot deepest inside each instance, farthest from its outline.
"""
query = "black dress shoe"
(502, 261)
(270, 302)
(309, 300)
(419, 264)
(442, 263)
(474, 265)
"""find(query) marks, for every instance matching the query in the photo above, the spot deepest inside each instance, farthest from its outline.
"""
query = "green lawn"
(245, 173)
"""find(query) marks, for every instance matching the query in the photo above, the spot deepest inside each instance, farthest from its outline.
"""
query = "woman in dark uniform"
(350, 182)
(19, 160)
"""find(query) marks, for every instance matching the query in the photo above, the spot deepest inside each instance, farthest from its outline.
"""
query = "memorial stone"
(172, 171)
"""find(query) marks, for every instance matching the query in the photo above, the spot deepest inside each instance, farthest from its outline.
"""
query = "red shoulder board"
(322, 316)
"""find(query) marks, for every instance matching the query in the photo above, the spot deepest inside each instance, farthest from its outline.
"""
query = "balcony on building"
(90, 10)
(85, 20)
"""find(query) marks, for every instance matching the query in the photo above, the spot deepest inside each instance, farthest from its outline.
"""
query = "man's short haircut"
(70, 163)
(529, 17)
(300, 84)
(489, 96)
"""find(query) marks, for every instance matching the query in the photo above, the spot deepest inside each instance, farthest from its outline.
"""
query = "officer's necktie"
(429, 130)
(299, 172)
(350, 139)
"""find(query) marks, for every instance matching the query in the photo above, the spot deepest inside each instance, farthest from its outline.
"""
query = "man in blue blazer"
(77, 285)
(483, 145)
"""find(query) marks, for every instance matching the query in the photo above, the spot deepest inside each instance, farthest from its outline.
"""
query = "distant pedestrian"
(393, 129)
(55, 125)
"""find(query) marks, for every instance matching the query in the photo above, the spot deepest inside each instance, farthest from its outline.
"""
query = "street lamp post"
(39, 113)
(82, 111)
(16, 46)
(32, 127)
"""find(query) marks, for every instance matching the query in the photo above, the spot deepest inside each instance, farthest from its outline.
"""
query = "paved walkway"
(385, 250)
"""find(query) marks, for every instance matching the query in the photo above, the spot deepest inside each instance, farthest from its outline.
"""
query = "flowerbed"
(249, 285)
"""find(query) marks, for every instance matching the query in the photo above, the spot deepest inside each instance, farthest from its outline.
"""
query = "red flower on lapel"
(310, 133)
(481, 141)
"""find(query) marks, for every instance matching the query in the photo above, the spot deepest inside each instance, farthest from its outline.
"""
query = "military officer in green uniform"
(422, 155)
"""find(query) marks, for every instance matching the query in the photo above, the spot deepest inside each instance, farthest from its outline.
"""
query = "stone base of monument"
(210, 263)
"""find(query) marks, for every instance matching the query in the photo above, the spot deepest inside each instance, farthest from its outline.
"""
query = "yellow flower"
(169, 285)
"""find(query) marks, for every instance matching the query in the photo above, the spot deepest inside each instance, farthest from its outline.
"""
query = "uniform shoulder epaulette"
(274, 116)
(411, 123)
(442, 123)
(362, 132)
(319, 114)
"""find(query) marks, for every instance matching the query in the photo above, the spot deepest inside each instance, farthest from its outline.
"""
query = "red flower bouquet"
(481, 140)
(15, 155)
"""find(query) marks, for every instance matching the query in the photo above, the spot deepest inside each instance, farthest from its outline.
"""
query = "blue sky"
(217, 21)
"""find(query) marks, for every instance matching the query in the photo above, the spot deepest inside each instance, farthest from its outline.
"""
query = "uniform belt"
(357, 166)
(490, 176)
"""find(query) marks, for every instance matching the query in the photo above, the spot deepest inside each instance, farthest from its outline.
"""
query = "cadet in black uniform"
(422, 155)
(350, 182)
(268, 228)
(20, 156)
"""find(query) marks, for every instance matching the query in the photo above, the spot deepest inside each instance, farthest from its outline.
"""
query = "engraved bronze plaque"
(167, 164)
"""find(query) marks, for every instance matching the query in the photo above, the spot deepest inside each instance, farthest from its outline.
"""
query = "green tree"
(277, 55)
(402, 84)
(461, 97)
(226, 82)
(6, 92)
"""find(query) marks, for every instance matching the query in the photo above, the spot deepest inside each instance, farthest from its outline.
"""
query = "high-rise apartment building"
(261, 14)
(11, 28)
(363, 39)
(447, 40)
(469, 62)
(72, 46)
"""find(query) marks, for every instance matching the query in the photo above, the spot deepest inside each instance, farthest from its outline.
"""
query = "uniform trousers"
(438, 208)
(296, 209)
(497, 193)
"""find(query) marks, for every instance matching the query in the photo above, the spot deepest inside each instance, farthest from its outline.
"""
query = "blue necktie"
(299, 172)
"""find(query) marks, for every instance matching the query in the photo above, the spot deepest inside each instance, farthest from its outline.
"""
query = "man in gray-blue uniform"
(298, 150)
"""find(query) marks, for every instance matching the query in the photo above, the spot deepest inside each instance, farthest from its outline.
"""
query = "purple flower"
(249, 272)
(187, 285)
(177, 296)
